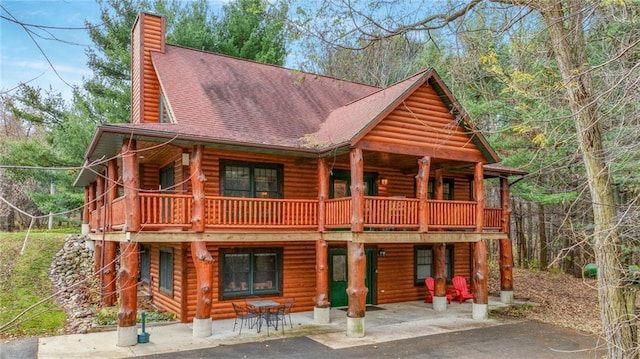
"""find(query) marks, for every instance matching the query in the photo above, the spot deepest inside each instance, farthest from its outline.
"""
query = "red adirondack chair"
(430, 283)
(462, 289)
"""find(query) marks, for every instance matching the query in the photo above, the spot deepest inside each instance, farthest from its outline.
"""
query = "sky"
(20, 59)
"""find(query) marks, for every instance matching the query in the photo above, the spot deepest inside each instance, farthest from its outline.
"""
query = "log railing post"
(100, 202)
(112, 191)
(478, 183)
(422, 192)
(86, 210)
(197, 187)
(357, 190)
(506, 250)
(323, 192)
(131, 182)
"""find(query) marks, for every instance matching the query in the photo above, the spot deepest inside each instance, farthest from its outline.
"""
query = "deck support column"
(439, 256)
(321, 310)
(100, 199)
(128, 273)
(85, 212)
(109, 249)
(202, 259)
(203, 262)
(128, 281)
(356, 289)
(422, 191)
(506, 252)
(480, 267)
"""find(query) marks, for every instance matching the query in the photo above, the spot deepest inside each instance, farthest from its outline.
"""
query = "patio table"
(263, 307)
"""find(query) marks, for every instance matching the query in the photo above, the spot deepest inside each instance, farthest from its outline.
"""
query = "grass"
(24, 281)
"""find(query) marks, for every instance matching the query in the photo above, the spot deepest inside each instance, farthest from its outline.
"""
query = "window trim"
(161, 276)
(449, 256)
(277, 291)
(252, 167)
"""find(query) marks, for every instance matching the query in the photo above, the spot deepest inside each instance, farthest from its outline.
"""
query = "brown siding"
(299, 174)
(147, 36)
(162, 300)
(396, 272)
(298, 277)
(423, 121)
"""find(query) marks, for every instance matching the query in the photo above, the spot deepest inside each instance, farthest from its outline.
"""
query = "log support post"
(108, 278)
(480, 267)
(422, 192)
(202, 259)
(128, 273)
(321, 309)
(357, 190)
(203, 263)
(128, 281)
(356, 289)
(100, 201)
(480, 308)
(197, 187)
(131, 182)
(506, 252)
(85, 211)
(439, 255)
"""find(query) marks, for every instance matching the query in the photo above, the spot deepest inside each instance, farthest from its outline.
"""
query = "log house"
(235, 178)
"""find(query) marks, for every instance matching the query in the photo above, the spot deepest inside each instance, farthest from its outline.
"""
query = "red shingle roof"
(230, 99)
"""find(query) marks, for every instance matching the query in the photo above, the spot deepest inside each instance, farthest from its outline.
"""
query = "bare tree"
(566, 24)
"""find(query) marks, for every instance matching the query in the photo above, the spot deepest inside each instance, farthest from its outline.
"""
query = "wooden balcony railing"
(385, 212)
(169, 210)
(493, 218)
(452, 214)
(117, 212)
(160, 210)
(338, 212)
(260, 213)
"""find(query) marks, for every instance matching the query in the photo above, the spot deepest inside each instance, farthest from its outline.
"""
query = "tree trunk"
(542, 235)
(617, 300)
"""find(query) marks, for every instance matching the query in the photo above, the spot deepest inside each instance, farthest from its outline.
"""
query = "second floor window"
(244, 179)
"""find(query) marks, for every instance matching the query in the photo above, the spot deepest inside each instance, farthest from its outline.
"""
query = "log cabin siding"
(396, 272)
(424, 121)
(147, 35)
(299, 174)
(164, 301)
(298, 277)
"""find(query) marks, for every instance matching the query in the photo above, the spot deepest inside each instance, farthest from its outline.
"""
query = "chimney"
(147, 35)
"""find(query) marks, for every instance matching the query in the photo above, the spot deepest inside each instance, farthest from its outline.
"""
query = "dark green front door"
(338, 276)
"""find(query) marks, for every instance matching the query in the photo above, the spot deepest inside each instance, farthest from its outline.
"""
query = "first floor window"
(251, 272)
(166, 270)
(423, 262)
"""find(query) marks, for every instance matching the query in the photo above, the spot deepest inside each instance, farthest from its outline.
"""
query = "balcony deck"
(167, 212)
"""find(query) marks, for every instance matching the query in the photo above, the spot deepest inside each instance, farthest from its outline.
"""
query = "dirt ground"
(561, 299)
